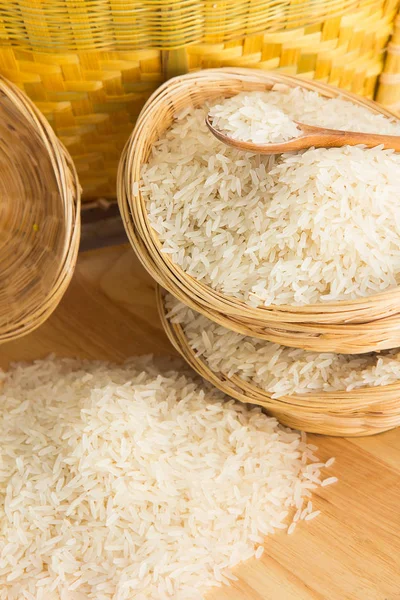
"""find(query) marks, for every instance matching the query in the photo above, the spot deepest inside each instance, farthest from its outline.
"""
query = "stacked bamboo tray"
(362, 411)
(351, 327)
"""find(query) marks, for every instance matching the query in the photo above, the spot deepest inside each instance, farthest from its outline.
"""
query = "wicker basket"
(388, 92)
(352, 327)
(91, 66)
(363, 411)
(39, 216)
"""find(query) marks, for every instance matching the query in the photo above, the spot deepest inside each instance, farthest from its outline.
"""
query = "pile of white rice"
(127, 482)
(317, 226)
(278, 370)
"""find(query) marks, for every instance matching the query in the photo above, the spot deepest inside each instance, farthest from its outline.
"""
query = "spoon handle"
(321, 137)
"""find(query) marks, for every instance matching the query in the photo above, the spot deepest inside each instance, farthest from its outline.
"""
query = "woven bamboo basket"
(351, 327)
(388, 92)
(360, 412)
(90, 66)
(39, 216)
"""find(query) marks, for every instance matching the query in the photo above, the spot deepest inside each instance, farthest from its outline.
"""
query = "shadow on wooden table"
(108, 312)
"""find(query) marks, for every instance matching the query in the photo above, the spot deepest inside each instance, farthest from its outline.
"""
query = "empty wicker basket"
(353, 327)
(359, 412)
(39, 216)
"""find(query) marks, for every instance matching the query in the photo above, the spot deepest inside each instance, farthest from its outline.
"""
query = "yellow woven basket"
(360, 412)
(90, 66)
(352, 327)
(39, 216)
(389, 85)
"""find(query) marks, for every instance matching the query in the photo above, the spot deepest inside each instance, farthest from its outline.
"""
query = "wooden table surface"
(351, 552)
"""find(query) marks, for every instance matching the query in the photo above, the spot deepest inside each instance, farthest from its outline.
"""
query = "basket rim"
(70, 197)
(332, 403)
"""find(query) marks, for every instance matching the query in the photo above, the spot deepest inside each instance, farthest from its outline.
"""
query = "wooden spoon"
(311, 136)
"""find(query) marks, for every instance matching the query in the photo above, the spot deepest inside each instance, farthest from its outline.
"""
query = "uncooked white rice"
(329, 481)
(316, 226)
(276, 369)
(251, 118)
(127, 482)
(312, 515)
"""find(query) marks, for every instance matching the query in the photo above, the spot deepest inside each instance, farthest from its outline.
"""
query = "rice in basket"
(276, 369)
(317, 226)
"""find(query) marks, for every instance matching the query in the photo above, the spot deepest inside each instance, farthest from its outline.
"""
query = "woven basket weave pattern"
(389, 86)
(93, 96)
(79, 25)
(91, 100)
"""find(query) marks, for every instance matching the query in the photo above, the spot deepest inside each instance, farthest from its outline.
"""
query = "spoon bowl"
(311, 137)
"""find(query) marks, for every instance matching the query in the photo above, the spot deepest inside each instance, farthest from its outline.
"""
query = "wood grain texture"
(351, 552)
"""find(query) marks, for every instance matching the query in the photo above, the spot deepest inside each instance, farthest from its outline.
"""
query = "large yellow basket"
(90, 66)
